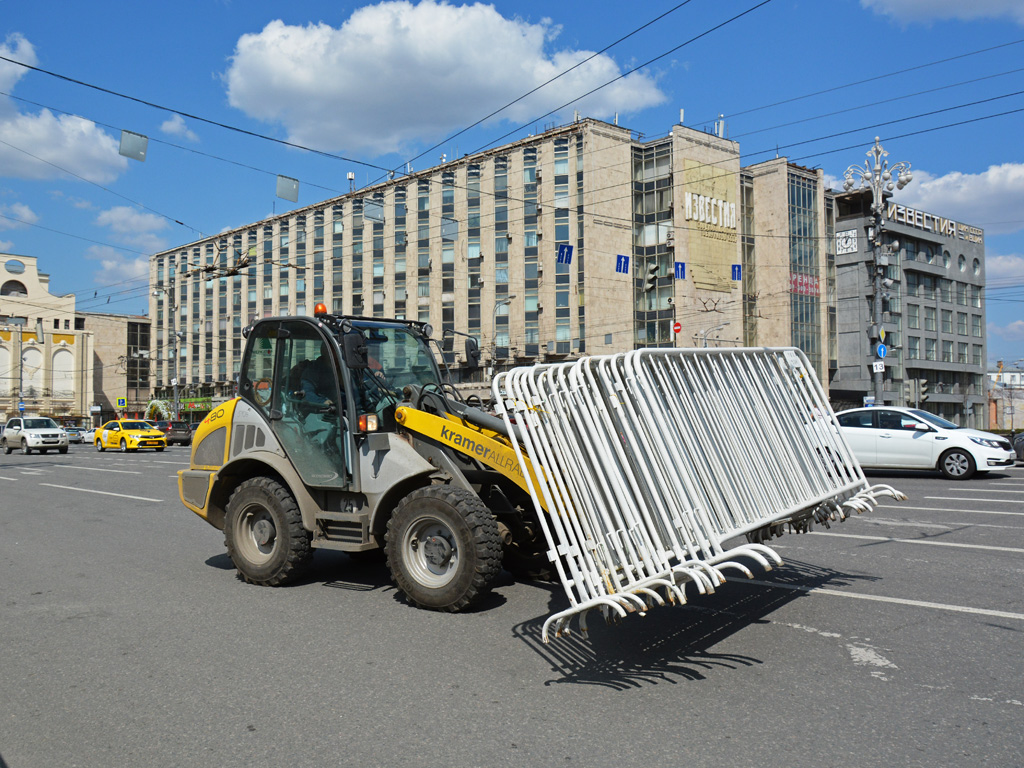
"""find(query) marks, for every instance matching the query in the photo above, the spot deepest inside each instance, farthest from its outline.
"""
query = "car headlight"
(985, 442)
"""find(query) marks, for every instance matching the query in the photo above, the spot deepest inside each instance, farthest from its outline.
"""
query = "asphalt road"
(894, 639)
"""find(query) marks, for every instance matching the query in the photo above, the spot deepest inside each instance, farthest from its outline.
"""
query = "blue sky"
(375, 86)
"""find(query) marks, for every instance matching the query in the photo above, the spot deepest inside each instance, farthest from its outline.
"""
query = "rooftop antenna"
(351, 181)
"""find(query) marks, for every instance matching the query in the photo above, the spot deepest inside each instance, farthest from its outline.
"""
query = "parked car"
(1018, 445)
(89, 435)
(909, 438)
(176, 432)
(34, 434)
(129, 435)
(74, 434)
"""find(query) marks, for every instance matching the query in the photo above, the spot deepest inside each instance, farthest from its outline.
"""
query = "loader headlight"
(368, 422)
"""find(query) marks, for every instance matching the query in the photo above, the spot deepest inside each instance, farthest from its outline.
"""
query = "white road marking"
(958, 498)
(882, 599)
(950, 509)
(953, 526)
(918, 541)
(97, 469)
(104, 493)
(12, 479)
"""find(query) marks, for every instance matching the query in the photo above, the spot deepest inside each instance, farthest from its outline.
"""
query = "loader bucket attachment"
(651, 461)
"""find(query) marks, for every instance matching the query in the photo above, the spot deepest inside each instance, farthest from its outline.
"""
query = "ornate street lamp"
(878, 177)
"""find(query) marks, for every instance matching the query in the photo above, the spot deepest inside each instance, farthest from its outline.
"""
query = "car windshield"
(40, 424)
(934, 420)
(136, 425)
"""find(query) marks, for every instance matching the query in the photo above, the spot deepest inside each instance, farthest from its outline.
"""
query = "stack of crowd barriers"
(647, 463)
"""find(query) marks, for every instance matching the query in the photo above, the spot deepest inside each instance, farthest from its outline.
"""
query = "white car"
(34, 434)
(909, 438)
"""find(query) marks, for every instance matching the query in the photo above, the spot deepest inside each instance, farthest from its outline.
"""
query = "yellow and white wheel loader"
(628, 477)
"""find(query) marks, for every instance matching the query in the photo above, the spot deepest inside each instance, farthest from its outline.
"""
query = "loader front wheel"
(264, 535)
(443, 548)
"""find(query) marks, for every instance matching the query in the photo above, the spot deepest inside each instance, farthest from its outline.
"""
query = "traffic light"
(908, 391)
(651, 280)
(922, 391)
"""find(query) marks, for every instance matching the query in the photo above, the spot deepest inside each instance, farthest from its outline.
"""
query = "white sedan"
(909, 438)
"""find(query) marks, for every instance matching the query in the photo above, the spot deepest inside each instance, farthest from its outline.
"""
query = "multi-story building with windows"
(932, 304)
(583, 239)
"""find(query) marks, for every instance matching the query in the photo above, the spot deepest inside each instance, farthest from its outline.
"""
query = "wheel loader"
(631, 478)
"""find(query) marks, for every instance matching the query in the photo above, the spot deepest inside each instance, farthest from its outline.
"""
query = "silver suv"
(34, 434)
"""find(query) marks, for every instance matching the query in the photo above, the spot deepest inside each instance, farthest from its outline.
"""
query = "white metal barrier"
(648, 462)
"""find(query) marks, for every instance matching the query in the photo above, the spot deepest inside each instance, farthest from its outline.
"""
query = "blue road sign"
(881, 350)
(737, 271)
(21, 406)
(622, 264)
(122, 402)
(680, 270)
(565, 254)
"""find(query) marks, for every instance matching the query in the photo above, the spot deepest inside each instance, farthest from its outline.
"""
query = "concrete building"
(46, 359)
(933, 310)
(583, 239)
(121, 366)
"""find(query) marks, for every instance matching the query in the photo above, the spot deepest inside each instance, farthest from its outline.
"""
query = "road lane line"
(918, 541)
(97, 469)
(12, 479)
(958, 498)
(953, 526)
(989, 490)
(950, 509)
(882, 598)
(104, 493)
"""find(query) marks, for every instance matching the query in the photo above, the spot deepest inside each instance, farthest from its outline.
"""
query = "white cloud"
(16, 216)
(115, 267)
(55, 143)
(934, 10)
(175, 126)
(134, 228)
(1012, 332)
(396, 73)
(992, 200)
(1004, 269)
(6, 246)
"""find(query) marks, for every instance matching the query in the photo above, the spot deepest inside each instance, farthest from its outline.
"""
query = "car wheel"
(24, 447)
(124, 445)
(264, 535)
(158, 450)
(7, 448)
(99, 446)
(957, 464)
(62, 450)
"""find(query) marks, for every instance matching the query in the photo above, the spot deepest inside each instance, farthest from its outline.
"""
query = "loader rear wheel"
(443, 548)
(264, 535)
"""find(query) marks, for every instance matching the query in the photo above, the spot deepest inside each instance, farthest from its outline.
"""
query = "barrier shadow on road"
(671, 644)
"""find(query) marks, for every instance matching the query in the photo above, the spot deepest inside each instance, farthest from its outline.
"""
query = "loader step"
(347, 531)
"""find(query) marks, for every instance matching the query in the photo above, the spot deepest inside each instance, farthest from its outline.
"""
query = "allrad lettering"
(469, 445)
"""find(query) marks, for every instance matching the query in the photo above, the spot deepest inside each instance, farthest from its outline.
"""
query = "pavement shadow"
(671, 644)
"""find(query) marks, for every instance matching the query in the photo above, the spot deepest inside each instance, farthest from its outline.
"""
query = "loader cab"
(325, 384)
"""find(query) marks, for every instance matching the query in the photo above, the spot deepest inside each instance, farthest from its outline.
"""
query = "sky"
(232, 94)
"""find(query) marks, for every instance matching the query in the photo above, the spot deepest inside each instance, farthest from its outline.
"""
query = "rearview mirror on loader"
(355, 351)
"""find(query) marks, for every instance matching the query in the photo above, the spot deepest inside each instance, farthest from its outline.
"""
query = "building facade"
(121, 366)
(933, 310)
(46, 359)
(580, 240)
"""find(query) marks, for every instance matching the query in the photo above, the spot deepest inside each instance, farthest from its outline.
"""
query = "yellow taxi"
(129, 435)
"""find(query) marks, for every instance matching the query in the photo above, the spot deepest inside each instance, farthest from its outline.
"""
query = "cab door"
(291, 375)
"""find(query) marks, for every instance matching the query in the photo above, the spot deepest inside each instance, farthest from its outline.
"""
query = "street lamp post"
(878, 178)
(704, 334)
(494, 329)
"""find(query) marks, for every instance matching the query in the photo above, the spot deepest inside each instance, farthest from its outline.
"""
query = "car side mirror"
(922, 428)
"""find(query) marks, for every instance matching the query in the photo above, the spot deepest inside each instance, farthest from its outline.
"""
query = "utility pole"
(878, 178)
